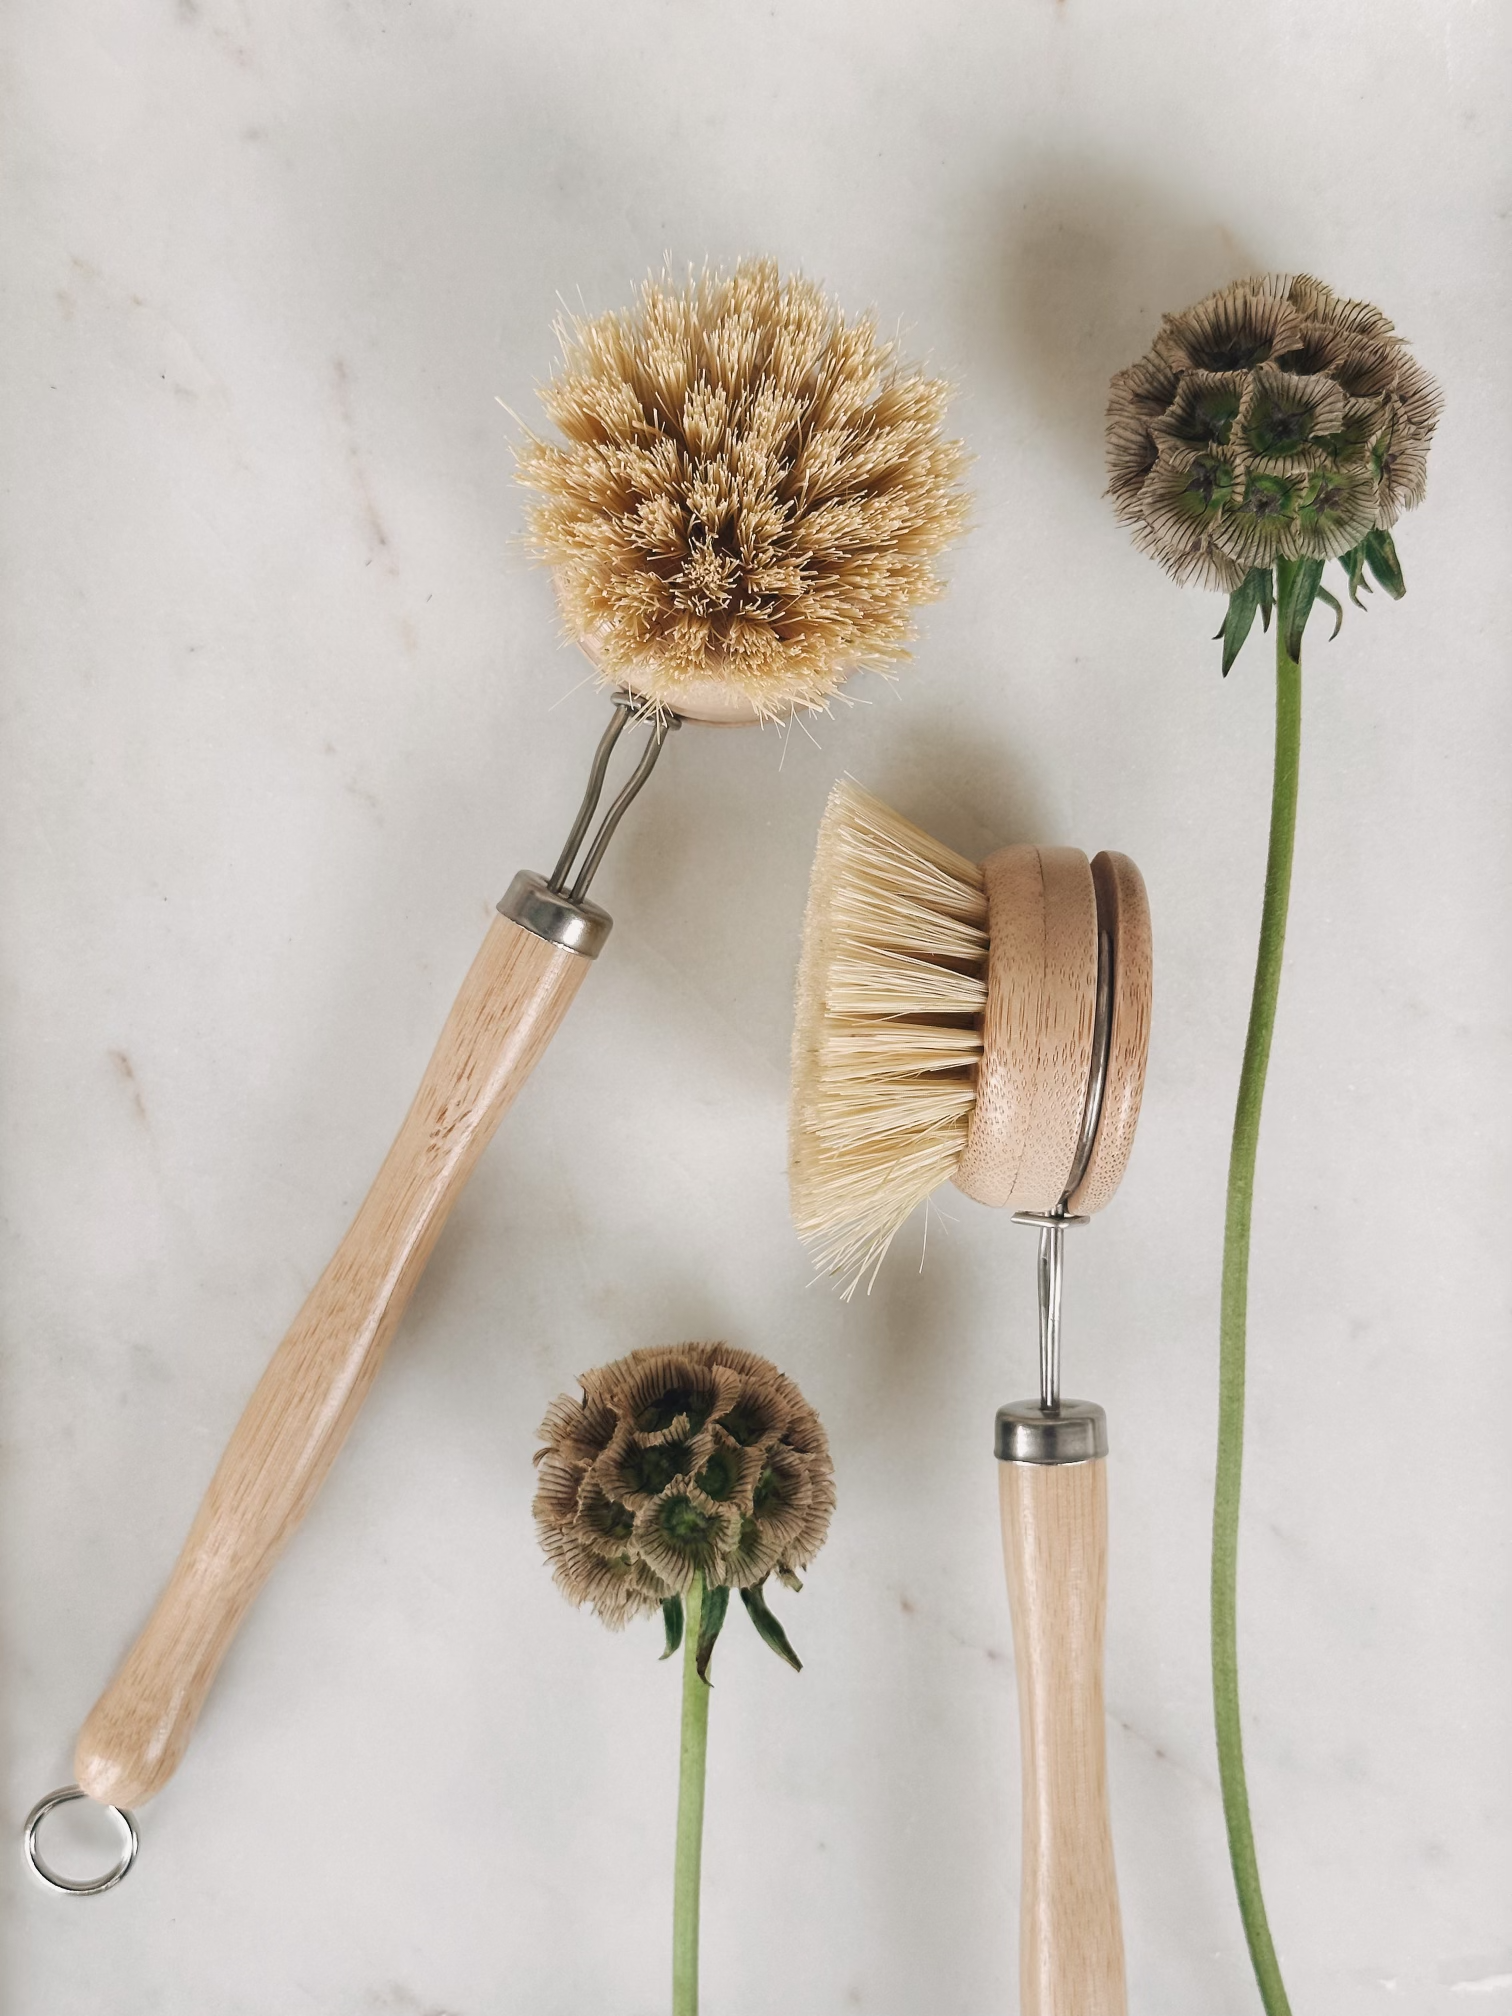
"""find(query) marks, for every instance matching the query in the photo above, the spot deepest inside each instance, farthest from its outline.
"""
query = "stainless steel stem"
(1073, 1431)
(1052, 1254)
(591, 795)
(661, 726)
(547, 907)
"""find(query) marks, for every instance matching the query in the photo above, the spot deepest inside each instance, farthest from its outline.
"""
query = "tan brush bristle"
(751, 492)
(891, 990)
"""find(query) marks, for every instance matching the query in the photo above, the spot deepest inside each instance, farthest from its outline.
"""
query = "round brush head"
(750, 495)
(948, 1028)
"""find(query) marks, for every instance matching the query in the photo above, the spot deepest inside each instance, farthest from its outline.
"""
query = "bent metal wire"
(1072, 1431)
(547, 906)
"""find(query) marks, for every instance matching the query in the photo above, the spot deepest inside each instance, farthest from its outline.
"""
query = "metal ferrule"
(1074, 1432)
(579, 927)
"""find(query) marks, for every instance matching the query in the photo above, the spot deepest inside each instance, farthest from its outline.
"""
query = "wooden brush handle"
(510, 1006)
(1055, 1542)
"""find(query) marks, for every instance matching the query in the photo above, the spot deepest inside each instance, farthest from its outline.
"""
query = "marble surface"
(284, 710)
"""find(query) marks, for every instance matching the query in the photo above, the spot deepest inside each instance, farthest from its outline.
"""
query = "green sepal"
(672, 1619)
(1240, 619)
(1337, 607)
(715, 1603)
(1381, 558)
(1353, 563)
(1299, 590)
(767, 1626)
(1267, 596)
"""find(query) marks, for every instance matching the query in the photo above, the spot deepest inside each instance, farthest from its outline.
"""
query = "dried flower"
(1272, 428)
(695, 1460)
(751, 488)
(1271, 422)
(678, 1476)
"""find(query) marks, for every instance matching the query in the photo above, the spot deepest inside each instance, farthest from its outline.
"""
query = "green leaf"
(715, 1603)
(1240, 619)
(672, 1618)
(1337, 607)
(1299, 588)
(770, 1630)
(1381, 558)
(1267, 599)
(1353, 563)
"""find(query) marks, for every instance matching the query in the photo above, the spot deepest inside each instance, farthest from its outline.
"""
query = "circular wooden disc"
(1036, 1030)
(709, 701)
(1123, 910)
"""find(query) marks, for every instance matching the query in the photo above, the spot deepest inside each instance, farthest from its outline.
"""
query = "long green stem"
(690, 1811)
(1231, 1332)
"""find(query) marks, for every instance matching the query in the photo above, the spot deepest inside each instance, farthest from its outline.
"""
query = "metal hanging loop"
(70, 1886)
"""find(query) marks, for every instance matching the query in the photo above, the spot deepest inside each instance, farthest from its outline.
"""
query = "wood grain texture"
(1124, 909)
(1055, 1545)
(1037, 1028)
(511, 1003)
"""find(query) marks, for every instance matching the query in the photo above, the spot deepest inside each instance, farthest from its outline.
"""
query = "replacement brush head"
(985, 1025)
(750, 497)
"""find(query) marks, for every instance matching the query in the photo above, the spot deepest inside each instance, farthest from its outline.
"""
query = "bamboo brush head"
(945, 1029)
(750, 497)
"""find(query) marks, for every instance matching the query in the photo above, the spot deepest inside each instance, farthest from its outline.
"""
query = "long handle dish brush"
(988, 1026)
(746, 503)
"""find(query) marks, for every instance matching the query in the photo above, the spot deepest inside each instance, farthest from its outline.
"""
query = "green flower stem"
(1231, 1330)
(690, 1811)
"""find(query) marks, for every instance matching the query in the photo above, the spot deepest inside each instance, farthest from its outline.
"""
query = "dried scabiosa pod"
(748, 487)
(678, 1475)
(697, 1461)
(1270, 429)
(1272, 425)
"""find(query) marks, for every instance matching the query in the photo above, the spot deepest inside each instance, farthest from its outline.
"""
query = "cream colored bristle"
(891, 990)
(749, 489)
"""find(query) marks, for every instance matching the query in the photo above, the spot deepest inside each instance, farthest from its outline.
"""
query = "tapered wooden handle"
(1055, 1542)
(510, 1006)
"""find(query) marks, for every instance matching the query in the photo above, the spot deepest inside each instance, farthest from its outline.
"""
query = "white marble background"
(284, 710)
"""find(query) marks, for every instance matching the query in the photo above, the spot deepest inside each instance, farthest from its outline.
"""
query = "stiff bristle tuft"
(751, 490)
(891, 990)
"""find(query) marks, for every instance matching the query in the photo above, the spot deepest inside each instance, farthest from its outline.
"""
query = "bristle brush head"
(948, 1028)
(750, 497)
(891, 991)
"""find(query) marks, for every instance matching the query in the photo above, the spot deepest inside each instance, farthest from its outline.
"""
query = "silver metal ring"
(578, 927)
(1028, 1432)
(130, 1842)
(1049, 1221)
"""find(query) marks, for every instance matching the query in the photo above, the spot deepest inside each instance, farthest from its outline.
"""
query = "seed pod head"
(698, 1459)
(1271, 421)
(750, 490)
